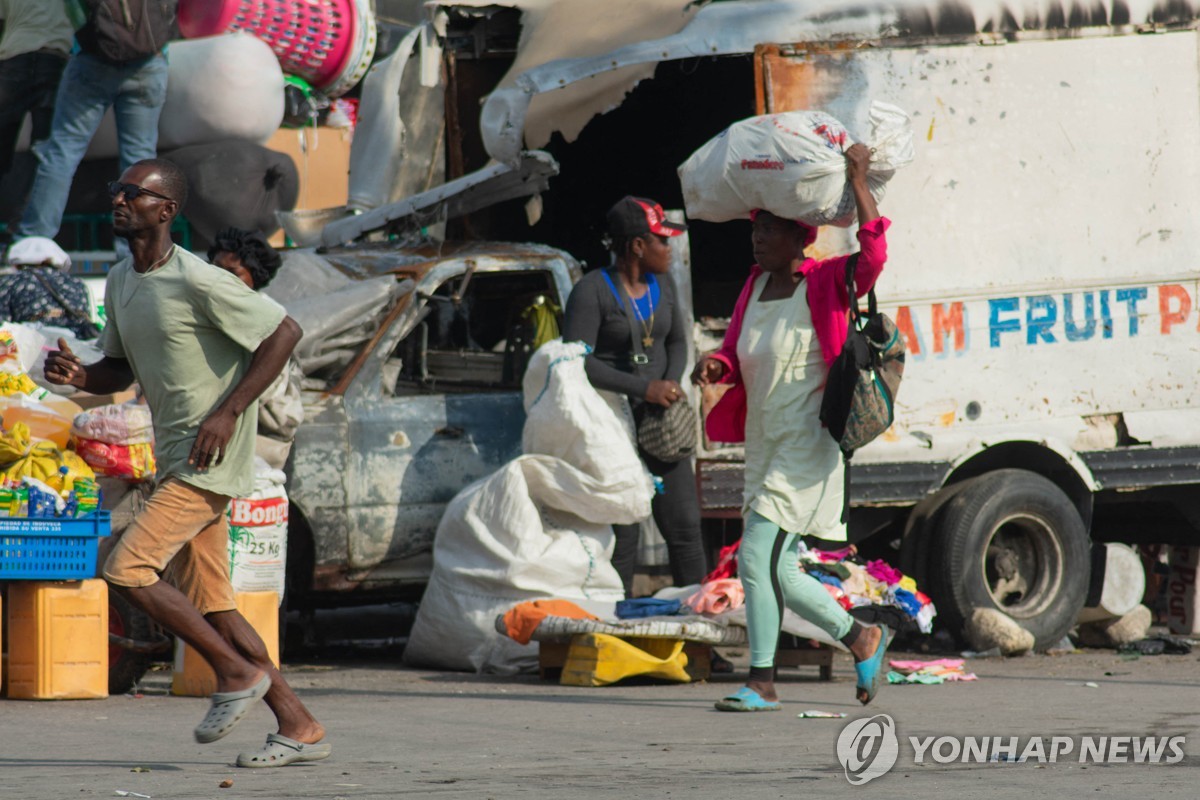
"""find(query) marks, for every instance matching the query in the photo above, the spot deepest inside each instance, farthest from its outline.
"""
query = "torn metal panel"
(396, 150)
(718, 29)
(493, 184)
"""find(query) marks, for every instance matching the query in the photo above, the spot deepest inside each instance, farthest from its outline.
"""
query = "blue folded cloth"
(647, 607)
(826, 578)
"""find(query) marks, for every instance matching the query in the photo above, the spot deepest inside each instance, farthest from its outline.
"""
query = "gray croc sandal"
(227, 710)
(279, 751)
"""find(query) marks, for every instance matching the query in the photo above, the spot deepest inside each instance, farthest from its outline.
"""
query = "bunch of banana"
(22, 458)
(16, 384)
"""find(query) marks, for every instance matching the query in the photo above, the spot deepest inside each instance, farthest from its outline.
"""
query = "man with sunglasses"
(203, 346)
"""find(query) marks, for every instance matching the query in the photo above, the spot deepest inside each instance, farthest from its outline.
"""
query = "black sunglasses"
(132, 190)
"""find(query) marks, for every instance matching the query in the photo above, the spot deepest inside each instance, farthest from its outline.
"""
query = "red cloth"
(826, 294)
(726, 564)
(522, 619)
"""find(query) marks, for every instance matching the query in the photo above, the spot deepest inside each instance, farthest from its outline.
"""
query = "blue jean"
(89, 86)
(28, 83)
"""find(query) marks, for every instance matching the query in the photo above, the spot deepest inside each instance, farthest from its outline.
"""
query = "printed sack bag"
(668, 434)
(860, 393)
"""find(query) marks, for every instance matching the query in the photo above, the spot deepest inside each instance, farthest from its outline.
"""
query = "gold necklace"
(647, 339)
(127, 295)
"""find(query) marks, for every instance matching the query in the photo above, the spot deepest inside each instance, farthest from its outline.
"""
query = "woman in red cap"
(599, 315)
(787, 328)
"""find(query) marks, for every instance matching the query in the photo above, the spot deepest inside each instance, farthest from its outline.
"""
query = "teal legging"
(771, 576)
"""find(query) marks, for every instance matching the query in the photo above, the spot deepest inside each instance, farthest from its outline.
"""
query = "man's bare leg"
(171, 609)
(295, 720)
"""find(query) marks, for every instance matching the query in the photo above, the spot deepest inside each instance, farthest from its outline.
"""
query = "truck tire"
(126, 667)
(1011, 540)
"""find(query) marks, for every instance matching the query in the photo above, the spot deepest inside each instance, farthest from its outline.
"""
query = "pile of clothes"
(943, 670)
(881, 592)
(871, 592)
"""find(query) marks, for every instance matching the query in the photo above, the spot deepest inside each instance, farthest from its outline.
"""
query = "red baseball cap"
(634, 216)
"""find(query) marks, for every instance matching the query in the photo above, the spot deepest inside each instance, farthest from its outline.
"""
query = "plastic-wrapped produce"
(125, 423)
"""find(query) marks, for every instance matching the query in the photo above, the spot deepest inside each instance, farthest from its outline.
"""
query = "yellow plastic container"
(193, 677)
(57, 640)
(597, 659)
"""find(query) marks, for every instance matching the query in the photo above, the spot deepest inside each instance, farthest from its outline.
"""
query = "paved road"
(409, 733)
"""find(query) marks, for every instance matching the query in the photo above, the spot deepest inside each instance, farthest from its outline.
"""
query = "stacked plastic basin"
(329, 43)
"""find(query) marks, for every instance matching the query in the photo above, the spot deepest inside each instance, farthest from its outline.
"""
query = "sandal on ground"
(279, 751)
(868, 671)
(227, 710)
(746, 699)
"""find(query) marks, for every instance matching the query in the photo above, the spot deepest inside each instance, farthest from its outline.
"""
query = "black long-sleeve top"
(596, 318)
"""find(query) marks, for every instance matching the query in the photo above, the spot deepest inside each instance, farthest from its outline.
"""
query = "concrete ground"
(398, 732)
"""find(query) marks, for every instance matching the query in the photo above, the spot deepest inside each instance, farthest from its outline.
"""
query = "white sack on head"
(541, 526)
(791, 164)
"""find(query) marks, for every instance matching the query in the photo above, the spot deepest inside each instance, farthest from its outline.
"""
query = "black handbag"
(860, 392)
(667, 434)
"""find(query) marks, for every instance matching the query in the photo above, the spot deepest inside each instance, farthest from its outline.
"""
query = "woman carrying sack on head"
(627, 313)
(788, 326)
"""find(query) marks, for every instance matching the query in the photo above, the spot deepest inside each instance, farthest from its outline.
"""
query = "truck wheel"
(1011, 540)
(126, 667)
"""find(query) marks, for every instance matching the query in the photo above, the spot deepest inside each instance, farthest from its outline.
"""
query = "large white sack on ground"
(540, 526)
(218, 87)
(791, 164)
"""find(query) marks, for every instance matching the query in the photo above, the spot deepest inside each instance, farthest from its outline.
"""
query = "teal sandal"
(868, 671)
(746, 699)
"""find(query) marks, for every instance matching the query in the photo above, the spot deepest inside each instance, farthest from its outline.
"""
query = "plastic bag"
(22, 457)
(130, 462)
(791, 164)
(123, 423)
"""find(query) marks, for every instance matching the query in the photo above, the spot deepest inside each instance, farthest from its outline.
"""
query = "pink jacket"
(826, 294)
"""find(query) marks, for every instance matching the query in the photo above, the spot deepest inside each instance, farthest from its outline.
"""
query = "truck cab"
(430, 403)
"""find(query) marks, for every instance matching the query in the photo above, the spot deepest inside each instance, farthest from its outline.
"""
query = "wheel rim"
(1023, 566)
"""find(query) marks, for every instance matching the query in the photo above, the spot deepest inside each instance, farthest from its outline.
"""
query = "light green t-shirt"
(188, 330)
(31, 25)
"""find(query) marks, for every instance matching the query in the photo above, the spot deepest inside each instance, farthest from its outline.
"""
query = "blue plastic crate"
(51, 549)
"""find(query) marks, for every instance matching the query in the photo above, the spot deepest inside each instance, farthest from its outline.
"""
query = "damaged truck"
(1040, 270)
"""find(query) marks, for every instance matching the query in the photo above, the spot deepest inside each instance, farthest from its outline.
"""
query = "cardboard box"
(322, 157)
(86, 401)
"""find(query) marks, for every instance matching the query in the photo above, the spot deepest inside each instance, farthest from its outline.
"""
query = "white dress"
(794, 471)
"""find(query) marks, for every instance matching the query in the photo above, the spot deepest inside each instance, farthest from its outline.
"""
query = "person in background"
(788, 326)
(596, 315)
(123, 66)
(250, 258)
(33, 52)
(203, 347)
(246, 255)
(43, 291)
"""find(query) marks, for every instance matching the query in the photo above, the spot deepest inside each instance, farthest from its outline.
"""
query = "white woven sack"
(540, 526)
(790, 164)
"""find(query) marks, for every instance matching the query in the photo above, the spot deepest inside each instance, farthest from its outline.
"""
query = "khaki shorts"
(181, 535)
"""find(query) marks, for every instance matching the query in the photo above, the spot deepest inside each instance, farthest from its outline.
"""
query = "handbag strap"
(72, 311)
(852, 296)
